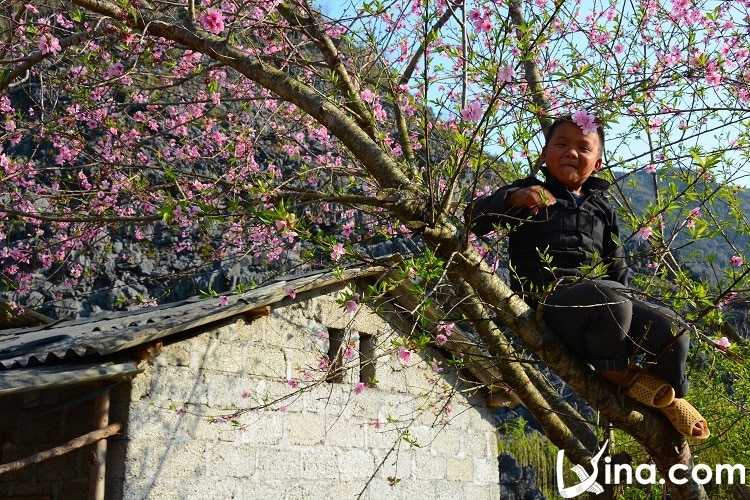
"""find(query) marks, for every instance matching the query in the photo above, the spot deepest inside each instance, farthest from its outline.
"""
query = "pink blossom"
(713, 77)
(436, 368)
(404, 355)
(446, 328)
(586, 121)
(116, 70)
(654, 124)
(48, 44)
(505, 73)
(350, 306)
(349, 352)
(46, 261)
(213, 21)
(346, 230)
(359, 388)
(694, 215)
(441, 339)
(723, 342)
(736, 260)
(483, 26)
(645, 233)
(224, 300)
(291, 292)
(651, 168)
(293, 383)
(379, 112)
(367, 95)
(338, 252)
(473, 112)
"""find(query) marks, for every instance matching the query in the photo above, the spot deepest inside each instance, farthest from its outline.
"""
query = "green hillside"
(703, 243)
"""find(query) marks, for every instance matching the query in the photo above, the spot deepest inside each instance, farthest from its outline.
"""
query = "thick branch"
(333, 60)
(146, 219)
(376, 161)
(514, 374)
(665, 445)
(531, 71)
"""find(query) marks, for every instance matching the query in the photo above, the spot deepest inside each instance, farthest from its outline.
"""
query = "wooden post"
(98, 468)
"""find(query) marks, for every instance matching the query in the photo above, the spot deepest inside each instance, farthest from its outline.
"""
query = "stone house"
(230, 397)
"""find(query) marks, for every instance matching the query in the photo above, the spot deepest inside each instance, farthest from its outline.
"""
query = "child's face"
(572, 157)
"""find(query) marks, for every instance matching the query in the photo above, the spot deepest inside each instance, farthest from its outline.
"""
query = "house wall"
(228, 413)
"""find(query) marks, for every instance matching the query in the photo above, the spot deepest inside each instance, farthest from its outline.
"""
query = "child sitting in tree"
(561, 227)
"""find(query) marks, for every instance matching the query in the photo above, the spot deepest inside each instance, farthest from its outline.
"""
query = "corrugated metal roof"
(109, 333)
(52, 377)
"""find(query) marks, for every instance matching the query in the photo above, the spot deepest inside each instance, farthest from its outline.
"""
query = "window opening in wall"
(367, 359)
(335, 353)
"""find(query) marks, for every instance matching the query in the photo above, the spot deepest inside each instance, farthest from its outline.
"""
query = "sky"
(633, 148)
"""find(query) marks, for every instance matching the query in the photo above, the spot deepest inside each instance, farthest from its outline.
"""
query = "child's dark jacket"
(573, 235)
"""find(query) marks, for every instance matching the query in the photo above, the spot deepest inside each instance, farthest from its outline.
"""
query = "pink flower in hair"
(586, 121)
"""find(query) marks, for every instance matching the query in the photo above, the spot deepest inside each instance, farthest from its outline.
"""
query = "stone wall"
(298, 438)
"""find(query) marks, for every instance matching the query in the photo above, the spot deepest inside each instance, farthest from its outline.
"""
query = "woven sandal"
(644, 388)
(683, 417)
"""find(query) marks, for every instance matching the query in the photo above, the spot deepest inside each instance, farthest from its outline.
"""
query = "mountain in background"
(704, 257)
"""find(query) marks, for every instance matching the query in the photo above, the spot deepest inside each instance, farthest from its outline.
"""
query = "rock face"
(517, 482)
(125, 273)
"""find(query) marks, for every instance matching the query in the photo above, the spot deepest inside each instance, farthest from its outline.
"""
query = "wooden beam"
(72, 445)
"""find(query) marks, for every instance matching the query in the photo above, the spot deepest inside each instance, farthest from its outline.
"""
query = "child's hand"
(532, 197)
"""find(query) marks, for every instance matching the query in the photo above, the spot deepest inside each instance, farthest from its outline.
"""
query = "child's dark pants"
(605, 327)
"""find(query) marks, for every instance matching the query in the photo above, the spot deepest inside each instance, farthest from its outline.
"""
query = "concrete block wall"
(229, 413)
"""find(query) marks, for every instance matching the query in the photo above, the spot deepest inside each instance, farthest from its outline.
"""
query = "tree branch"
(36, 57)
(333, 61)
(516, 376)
